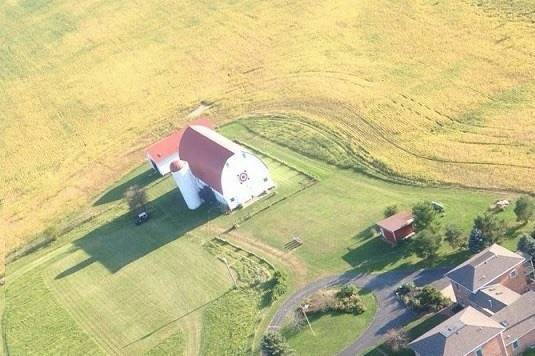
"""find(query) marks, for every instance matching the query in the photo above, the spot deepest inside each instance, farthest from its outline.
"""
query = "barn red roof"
(396, 221)
(168, 145)
(206, 152)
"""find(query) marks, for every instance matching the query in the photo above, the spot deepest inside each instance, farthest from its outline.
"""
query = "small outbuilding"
(397, 227)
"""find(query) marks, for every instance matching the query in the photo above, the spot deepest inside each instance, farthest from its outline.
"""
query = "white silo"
(186, 183)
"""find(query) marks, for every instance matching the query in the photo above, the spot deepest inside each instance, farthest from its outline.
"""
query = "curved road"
(390, 313)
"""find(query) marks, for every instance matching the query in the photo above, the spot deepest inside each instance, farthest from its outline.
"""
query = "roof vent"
(453, 328)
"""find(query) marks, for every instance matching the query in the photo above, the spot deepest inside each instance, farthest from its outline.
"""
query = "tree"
(431, 299)
(454, 237)
(390, 210)
(280, 285)
(426, 245)
(136, 197)
(396, 340)
(476, 241)
(424, 214)
(526, 244)
(487, 229)
(524, 209)
(274, 344)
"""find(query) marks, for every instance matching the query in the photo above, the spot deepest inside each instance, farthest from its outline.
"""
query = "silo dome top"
(176, 165)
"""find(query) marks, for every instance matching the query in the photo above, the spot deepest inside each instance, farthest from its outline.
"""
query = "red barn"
(397, 227)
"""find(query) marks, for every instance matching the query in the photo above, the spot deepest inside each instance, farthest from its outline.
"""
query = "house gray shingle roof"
(484, 267)
(518, 318)
(494, 297)
(462, 333)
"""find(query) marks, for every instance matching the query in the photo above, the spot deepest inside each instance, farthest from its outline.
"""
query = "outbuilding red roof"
(206, 153)
(396, 221)
(169, 145)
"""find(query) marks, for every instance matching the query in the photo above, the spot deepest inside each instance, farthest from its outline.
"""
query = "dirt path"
(293, 263)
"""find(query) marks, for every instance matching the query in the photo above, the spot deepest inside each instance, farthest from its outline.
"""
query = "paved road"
(390, 313)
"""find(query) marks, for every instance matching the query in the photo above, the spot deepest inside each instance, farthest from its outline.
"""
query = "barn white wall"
(244, 177)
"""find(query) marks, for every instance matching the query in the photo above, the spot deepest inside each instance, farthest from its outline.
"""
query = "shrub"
(345, 300)
(432, 300)
(390, 210)
(350, 305)
(280, 285)
(405, 289)
(423, 299)
(274, 344)
(346, 291)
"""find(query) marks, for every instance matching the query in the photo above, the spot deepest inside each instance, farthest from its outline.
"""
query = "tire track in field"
(379, 132)
(350, 127)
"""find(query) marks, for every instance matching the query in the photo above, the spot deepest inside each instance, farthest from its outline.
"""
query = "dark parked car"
(142, 217)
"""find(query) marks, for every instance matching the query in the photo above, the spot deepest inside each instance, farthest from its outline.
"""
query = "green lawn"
(36, 323)
(2, 330)
(335, 216)
(139, 288)
(173, 345)
(332, 331)
(133, 289)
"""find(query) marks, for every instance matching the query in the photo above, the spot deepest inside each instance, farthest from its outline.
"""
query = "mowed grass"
(148, 288)
(331, 331)
(335, 217)
(2, 324)
(36, 324)
(433, 91)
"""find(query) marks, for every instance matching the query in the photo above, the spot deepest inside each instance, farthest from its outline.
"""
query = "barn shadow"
(142, 179)
(120, 242)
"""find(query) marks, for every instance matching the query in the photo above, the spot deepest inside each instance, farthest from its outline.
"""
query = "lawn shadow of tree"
(115, 193)
(374, 254)
(514, 231)
(120, 242)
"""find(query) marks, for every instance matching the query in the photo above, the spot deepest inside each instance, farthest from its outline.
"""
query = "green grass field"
(335, 216)
(331, 331)
(136, 288)
(125, 289)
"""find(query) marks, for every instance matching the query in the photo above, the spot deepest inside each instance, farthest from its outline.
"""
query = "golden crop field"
(440, 91)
